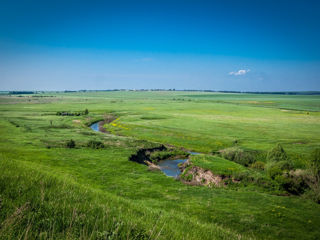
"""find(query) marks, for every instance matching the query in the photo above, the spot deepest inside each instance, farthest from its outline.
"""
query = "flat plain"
(50, 191)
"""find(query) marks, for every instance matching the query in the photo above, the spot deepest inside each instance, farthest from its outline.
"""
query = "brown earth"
(195, 175)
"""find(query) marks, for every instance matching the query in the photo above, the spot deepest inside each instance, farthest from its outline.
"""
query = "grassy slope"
(104, 180)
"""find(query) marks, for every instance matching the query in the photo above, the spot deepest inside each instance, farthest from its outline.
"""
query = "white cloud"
(240, 72)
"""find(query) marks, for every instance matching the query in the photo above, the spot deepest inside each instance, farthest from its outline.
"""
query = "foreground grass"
(36, 204)
(49, 191)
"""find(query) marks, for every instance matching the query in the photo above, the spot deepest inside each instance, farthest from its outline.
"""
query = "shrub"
(86, 112)
(264, 182)
(279, 168)
(277, 154)
(313, 194)
(71, 144)
(276, 168)
(95, 144)
(278, 162)
(238, 155)
(313, 179)
(244, 158)
(273, 171)
(315, 163)
(240, 176)
(258, 165)
(294, 182)
(230, 153)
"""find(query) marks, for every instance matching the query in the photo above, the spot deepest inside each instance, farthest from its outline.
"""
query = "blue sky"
(218, 45)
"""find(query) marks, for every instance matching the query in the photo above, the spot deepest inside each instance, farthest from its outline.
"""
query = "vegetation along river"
(168, 167)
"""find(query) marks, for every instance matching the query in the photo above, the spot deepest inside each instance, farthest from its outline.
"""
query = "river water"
(168, 167)
(171, 167)
(95, 127)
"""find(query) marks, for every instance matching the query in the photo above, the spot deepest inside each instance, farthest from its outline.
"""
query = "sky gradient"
(217, 45)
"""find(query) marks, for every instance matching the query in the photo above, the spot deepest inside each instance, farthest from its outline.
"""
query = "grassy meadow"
(50, 191)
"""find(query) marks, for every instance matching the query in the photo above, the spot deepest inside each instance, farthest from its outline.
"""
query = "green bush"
(280, 168)
(314, 177)
(229, 153)
(273, 171)
(244, 158)
(265, 182)
(71, 144)
(258, 165)
(240, 176)
(238, 155)
(315, 163)
(276, 168)
(277, 154)
(294, 182)
(95, 144)
(278, 162)
(313, 194)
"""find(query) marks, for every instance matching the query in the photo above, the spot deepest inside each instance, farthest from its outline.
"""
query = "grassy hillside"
(50, 191)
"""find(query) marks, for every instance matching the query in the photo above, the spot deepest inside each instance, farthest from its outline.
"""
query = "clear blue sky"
(219, 45)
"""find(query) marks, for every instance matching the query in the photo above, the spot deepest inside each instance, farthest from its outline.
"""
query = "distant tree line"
(65, 113)
(183, 90)
(197, 90)
(21, 92)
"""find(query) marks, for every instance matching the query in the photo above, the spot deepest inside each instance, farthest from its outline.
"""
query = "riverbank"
(88, 192)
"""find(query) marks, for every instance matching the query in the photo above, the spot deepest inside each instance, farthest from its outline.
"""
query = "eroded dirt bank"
(190, 174)
(195, 175)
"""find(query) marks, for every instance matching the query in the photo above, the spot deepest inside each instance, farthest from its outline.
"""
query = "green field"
(50, 191)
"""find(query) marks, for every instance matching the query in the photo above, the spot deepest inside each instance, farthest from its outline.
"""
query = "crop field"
(59, 179)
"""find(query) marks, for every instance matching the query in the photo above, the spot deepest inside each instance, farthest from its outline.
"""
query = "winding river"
(168, 167)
